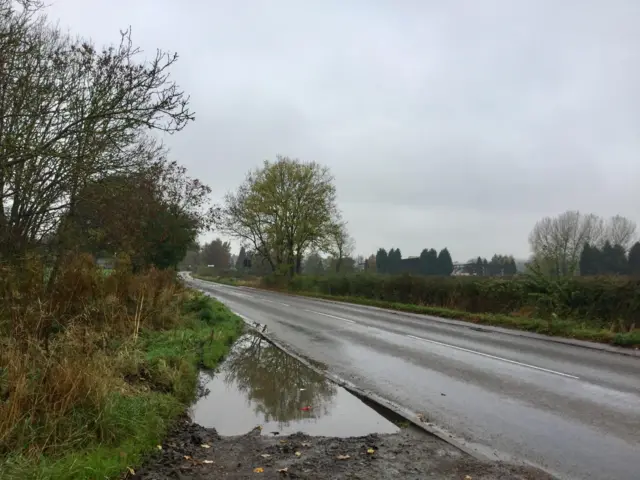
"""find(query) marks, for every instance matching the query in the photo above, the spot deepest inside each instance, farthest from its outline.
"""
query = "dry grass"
(64, 352)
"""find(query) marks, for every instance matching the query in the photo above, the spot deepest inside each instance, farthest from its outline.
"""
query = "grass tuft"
(94, 371)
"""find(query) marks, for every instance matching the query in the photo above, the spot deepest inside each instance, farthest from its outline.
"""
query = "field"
(601, 309)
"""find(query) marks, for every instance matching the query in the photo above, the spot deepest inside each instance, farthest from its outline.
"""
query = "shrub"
(610, 302)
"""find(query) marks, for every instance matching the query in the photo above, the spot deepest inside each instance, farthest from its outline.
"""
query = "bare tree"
(69, 115)
(342, 244)
(621, 231)
(558, 241)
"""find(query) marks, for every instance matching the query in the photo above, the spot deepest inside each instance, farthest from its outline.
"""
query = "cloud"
(452, 124)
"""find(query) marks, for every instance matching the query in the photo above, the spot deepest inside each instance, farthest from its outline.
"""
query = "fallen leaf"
(258, 470)
(467, 477)
(283, 470)
(265, 455)
(298, 454)
(204, 445)
(159, 447)
(207, 461)
(131, 471)
(259, 427)
(306, 444)
(283, 441)
(187, 457)
(343, 457)
(371, 451)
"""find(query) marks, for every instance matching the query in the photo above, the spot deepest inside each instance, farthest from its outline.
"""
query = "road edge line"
(370, 396)
(600, 347)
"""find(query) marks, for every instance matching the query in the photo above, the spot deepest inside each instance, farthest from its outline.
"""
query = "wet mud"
(265, 415)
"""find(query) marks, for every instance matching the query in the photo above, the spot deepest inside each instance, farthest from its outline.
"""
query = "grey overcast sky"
(446, 123)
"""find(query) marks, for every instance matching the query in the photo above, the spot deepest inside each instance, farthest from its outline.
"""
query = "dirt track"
(408, 455)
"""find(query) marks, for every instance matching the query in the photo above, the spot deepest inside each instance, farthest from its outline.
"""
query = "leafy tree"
(192, 258)
(444, 263)
(347, 265)
(143, 214)
(382, 261)
(257, 264)
(216, 253)
(314, 264)
(370, 264)
(634, 259)
(282, 210)
(241, 260)
(71, 114)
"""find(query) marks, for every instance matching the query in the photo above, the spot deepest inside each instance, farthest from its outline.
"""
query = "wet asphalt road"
(574, 412)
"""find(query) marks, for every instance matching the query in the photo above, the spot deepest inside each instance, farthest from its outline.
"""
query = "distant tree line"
(557, 244)
(430, 262)
(498, 266)
(609, 260)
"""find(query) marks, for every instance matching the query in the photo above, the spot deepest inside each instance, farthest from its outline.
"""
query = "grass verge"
(130, 389)
(556, 327)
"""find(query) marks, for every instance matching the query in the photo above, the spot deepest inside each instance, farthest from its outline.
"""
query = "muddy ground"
(410, 454)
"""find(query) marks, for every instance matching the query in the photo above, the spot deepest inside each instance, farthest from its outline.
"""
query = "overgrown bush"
(603, 302)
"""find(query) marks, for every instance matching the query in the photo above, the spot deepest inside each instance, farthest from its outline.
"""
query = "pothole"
(259, 384)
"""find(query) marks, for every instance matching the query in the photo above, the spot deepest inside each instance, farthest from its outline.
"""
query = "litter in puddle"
(259, 384)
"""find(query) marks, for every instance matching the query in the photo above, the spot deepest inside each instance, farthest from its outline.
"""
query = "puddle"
(258, 384)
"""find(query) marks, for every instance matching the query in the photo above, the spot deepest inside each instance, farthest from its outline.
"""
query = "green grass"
(130, 425)
(567, 328)
(557, 327)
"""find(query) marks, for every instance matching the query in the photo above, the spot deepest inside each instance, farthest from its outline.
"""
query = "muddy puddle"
(258, 384)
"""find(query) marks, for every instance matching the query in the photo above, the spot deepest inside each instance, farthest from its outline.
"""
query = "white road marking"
(243, 295)
(330, 316)
(272, 301)
(494, 357)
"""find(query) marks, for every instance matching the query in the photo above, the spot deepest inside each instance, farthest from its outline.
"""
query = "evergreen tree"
(513, 268)
(444, 263)
(589, 260)
(424, 262)
(395, 261)
(613, 260)
(382, 261)
(634, 260)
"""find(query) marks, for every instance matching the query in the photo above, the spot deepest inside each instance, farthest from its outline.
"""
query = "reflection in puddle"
(258, 384)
